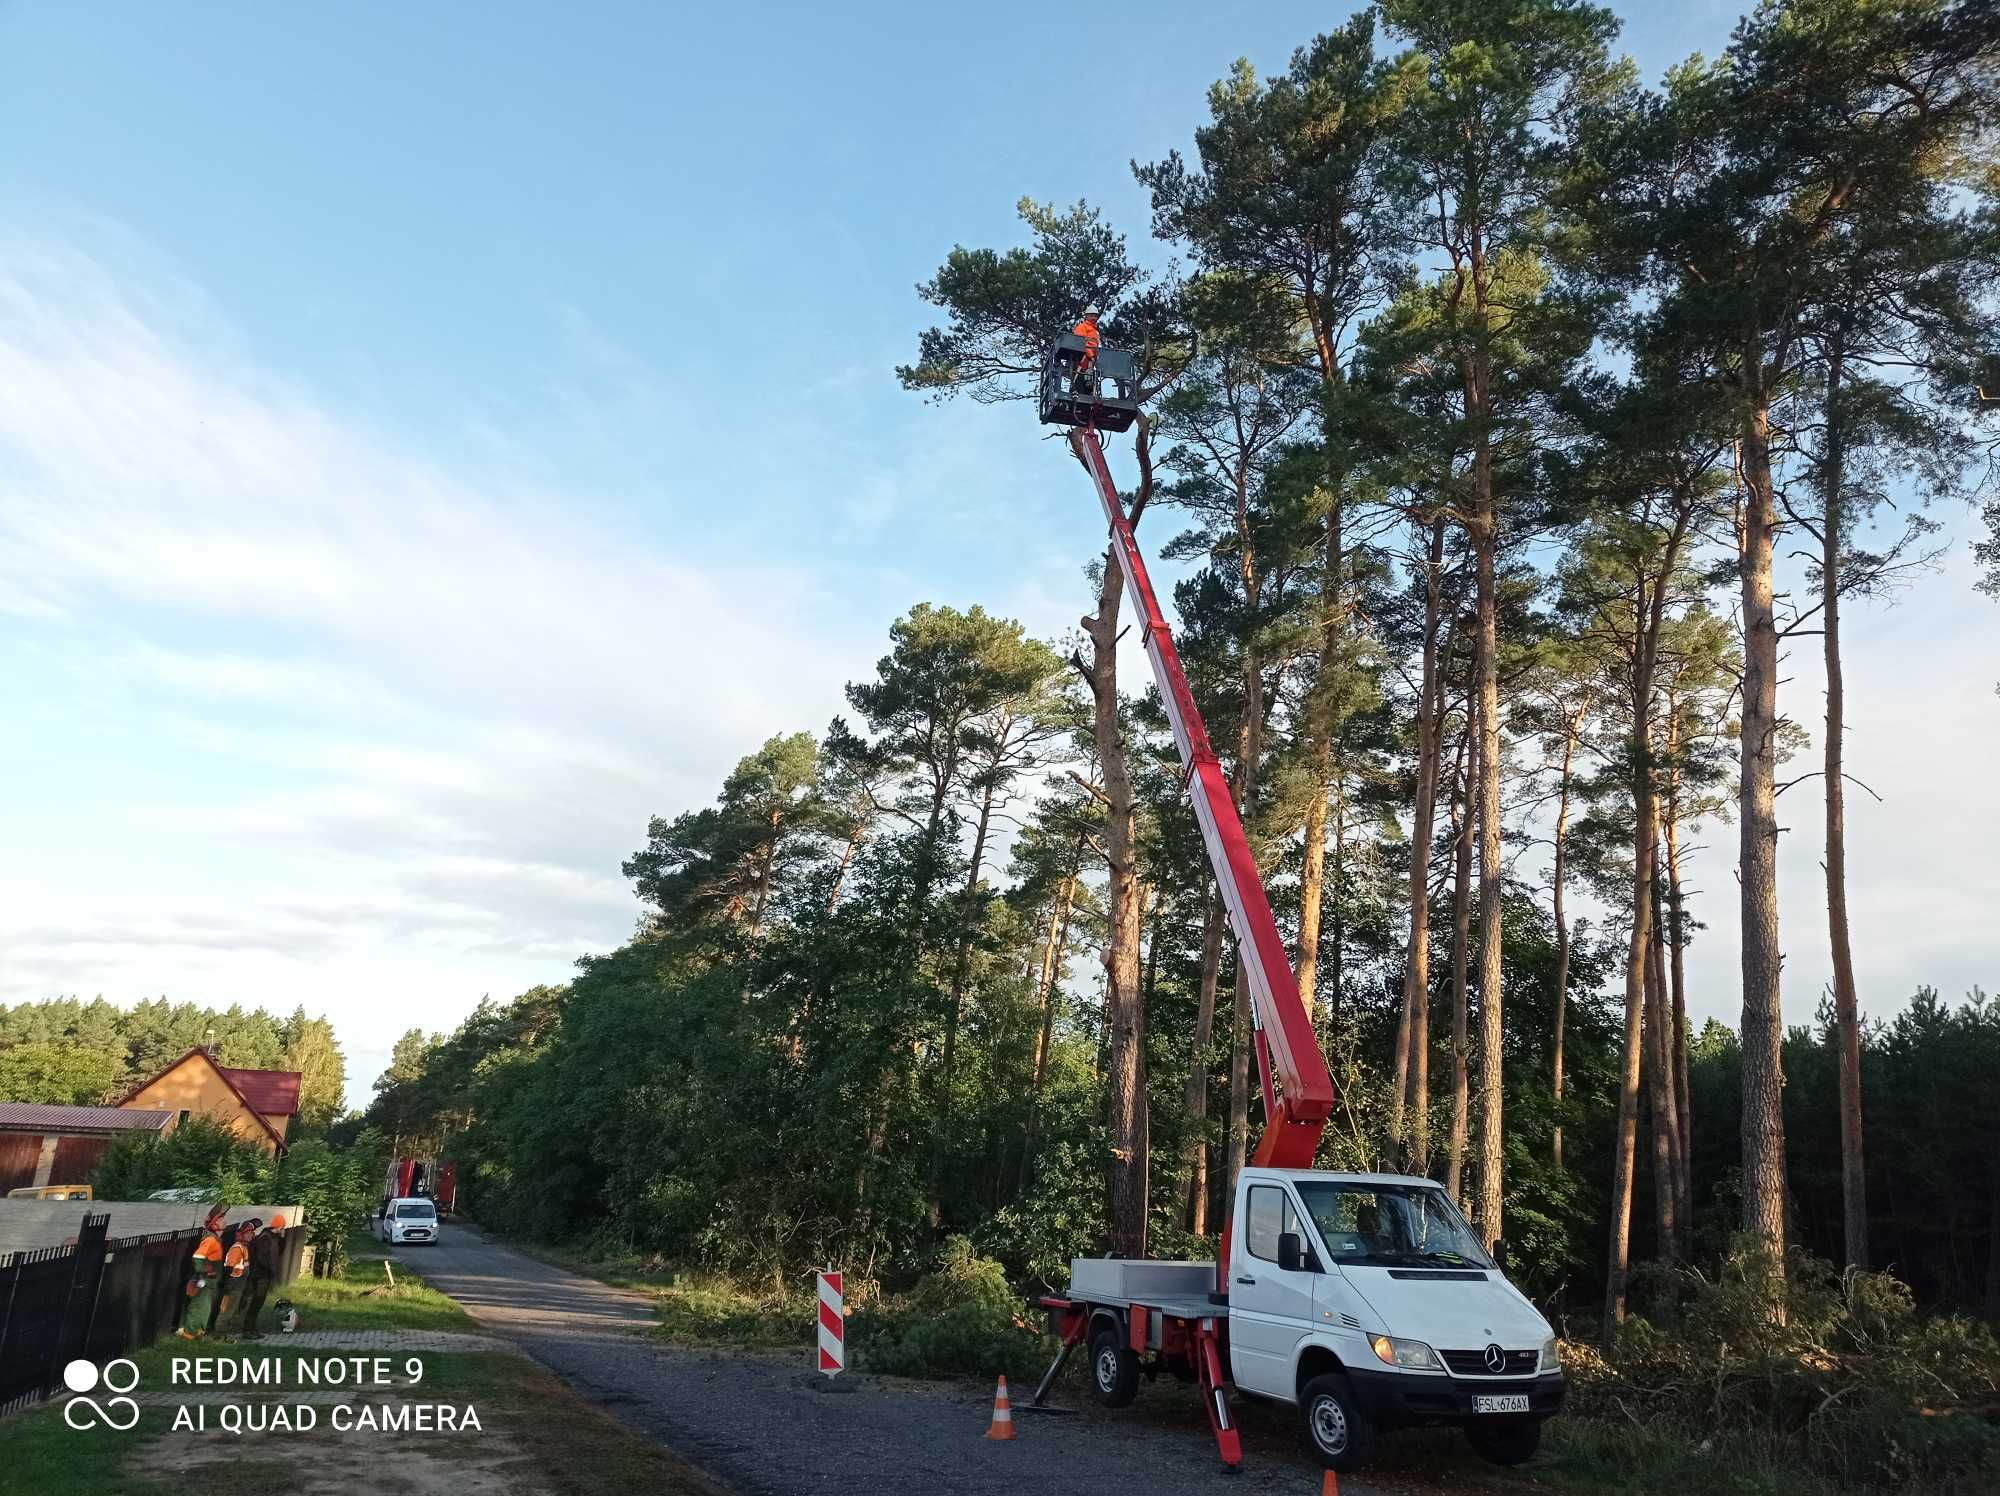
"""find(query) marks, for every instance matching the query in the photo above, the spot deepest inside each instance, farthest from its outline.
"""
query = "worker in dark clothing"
(267, 1261)
(1086, 366)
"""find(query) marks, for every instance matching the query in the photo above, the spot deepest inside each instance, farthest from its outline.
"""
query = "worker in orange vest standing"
(1087, 330)
(235, 1266)
(204, 1266)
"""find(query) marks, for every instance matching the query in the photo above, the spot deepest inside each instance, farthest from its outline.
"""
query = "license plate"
(1507, 1402)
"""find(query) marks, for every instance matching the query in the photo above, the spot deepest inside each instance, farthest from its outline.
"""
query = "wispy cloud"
(394, 720)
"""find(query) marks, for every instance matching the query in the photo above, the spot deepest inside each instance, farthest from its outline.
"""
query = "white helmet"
(1092, 311)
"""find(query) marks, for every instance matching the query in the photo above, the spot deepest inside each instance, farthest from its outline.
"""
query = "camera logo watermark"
(83, 1411)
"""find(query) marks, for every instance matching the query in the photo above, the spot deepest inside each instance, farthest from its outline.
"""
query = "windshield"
(418, 1212)
(1391, 1225)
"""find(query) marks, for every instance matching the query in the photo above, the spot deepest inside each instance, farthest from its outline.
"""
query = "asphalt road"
(772, 1428)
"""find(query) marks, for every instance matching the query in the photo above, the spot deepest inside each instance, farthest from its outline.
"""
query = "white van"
(1365, 1300)
(407, 1219)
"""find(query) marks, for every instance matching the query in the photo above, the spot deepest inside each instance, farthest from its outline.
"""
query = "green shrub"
(336, 1186)
(961, 1319)
(201, 1153)
(1838, 1367)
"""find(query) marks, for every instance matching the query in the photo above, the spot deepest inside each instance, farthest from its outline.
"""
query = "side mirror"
(1292, 1256)
(1500, 1253)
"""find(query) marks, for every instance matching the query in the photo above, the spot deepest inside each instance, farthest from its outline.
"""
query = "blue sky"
(437, 438)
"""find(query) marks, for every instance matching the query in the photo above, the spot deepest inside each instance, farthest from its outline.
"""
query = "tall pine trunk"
(1763, 1032)
(1461, 932)
(1124, 1006)
(1677, 970)
(1846, 1004)
(1237, 1143)
(1660, 1104)
(1196, 1212)
(1049, 980)
(1413, 1032)
(1625, 1139)
(1052, 965)
(1562, 932)
(1420, 1086)
(1312, 892)
(1486, 1211)
(1333, 626)
(848, 848)
(955, 1004)
(1648, 608)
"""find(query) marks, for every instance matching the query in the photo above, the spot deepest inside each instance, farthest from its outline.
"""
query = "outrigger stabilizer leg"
(1049, 1377)
(1214, 1397)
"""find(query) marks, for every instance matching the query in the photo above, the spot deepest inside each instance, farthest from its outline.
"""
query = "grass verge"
(372, 1293)
(535, 1433)
(695, 1308)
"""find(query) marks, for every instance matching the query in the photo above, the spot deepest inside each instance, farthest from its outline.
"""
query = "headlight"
(1411, 1355)
(1551, 1358)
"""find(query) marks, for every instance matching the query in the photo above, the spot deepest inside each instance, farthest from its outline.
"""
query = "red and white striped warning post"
(832, 1325)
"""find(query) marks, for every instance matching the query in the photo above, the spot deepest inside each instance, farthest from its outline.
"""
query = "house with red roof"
(258, 1105)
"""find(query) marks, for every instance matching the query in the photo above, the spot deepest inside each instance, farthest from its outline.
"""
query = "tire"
(1114, 1370)
(1511, 1441)
(1337, 1432)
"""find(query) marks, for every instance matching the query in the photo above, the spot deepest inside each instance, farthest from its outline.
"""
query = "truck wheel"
(1114, 1370)
(1506, 1443)
(1340, 1435)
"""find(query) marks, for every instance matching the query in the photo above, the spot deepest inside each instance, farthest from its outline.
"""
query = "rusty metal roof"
(31, 1116)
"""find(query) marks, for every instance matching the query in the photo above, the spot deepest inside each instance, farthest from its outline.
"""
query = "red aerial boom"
(1298, 1091)
(1091, 388)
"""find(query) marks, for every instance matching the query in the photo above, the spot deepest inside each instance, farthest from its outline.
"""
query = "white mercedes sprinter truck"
(1365, 1300)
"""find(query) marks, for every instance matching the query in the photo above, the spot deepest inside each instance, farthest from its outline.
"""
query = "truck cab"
(1368, 1301)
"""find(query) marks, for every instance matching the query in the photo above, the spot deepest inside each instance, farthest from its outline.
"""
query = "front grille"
(1473, 1363)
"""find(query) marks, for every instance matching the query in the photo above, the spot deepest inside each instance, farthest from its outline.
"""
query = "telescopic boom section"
(1298, 1091)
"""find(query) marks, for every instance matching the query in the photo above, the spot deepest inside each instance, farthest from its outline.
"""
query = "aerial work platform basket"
(1101, 398)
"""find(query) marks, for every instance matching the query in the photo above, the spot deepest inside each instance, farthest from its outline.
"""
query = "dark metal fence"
(94, 1299)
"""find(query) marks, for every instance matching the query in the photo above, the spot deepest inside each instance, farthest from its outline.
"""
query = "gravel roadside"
(772, 1429)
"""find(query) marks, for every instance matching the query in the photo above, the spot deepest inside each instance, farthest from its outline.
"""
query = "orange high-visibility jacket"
(1087, 330)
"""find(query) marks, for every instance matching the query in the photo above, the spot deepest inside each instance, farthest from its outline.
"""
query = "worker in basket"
(1086, 367)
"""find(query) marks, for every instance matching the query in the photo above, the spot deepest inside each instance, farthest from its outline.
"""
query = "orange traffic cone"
(1003, 1416)
(1330, 1486)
